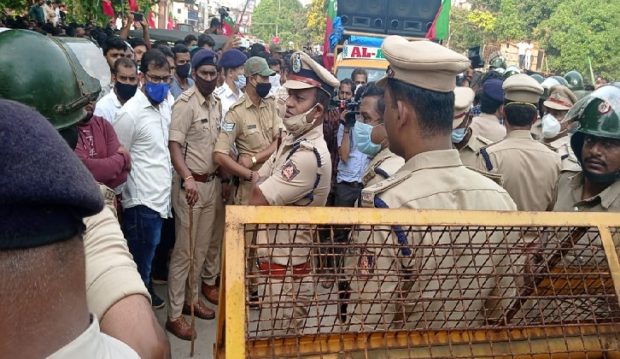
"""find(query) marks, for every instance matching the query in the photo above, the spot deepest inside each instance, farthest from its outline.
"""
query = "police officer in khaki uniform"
(114, 291)
(371, 138)
(552, 126)
(46, 193)
(298, 174)
(194, 129)
(464, 137)
(488, 124)
(253, 125)
(597, 147)
(529, 169)
(418, 119)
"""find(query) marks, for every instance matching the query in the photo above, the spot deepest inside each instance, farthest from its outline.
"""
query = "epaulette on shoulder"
(497, 178)
(484, 140)
(237, 103)
(369, 193)
(186, 95)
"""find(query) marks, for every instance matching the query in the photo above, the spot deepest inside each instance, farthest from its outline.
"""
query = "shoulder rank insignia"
(369, 193)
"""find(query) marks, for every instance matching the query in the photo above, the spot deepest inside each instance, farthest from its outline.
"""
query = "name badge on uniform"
(228, 127)
(251, 127)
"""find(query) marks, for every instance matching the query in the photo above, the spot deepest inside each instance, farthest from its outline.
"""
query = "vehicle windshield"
(373, 74)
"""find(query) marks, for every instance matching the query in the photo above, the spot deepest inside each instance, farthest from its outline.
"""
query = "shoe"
(200, 310)
(254, 300)
(180, 328)
(211, 292)
(156, 301)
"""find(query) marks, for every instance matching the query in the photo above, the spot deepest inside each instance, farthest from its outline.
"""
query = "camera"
(137, 16)
(352, 109)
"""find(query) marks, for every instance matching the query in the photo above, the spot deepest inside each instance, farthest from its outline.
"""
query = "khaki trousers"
(285, 304)
(206, 244)
(211, 268)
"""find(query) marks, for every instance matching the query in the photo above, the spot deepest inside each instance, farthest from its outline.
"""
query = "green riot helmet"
(538, 78)
(42, 72)
(561, 80)
(497, 62)
(511, 70)
(575, 80)
(597, 114)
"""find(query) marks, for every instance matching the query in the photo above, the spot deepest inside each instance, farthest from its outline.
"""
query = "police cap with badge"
(204, 57)
(45, 190)
(307, 73)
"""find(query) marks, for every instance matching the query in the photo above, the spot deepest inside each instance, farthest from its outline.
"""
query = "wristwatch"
(253, 160)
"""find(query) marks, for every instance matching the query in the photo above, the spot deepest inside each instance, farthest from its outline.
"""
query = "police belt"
(204, 178)
(279, 271)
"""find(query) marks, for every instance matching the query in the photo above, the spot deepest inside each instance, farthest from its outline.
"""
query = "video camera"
(351, 107)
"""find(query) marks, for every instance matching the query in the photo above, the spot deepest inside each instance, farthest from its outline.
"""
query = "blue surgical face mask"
(458, 135)
(240, 82)
(156, 92)
(361, 135)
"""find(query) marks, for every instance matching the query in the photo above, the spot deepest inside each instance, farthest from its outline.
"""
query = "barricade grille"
(428, 288)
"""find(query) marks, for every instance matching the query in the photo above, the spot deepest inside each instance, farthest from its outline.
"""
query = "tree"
(284, 16)
(470, 28)
(579, 30)
(316, 21)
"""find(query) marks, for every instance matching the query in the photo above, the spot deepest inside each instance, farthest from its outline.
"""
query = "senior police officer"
(597, 147)
(464, 137)
(530, 170)
(195, 187)
(298, 174)
(115, 293)
(45, 194)
(418, 116)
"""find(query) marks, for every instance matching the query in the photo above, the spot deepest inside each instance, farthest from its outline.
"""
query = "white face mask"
(298, 125)
(550, 126)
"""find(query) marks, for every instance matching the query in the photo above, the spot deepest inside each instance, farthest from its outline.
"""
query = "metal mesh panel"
(450, 281)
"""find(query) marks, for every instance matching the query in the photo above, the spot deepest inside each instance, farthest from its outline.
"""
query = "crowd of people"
(183, 130)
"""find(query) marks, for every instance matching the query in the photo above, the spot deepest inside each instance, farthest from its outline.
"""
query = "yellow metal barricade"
(370, 283)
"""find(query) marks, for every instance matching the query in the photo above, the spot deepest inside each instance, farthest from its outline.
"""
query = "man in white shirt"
(522, 48)
(232, 62)
(142, 128)
(125, 80)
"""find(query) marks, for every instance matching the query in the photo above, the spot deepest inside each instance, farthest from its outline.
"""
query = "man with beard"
(195, 187)
(597, 147)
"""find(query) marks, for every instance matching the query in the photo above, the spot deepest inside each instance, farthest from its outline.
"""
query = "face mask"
(299, 124)
(550, 126)
(205, 87)
(263, 89)
(240, 82)
(156, 92)
(362, 136)
(275, 81)
(458, 135)
(125, 91)
(183, 70)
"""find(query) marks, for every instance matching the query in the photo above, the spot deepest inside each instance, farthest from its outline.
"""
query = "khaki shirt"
(195, 126)
(94, 344)
(383, 165)
(291, 179)
(529, 169)
(430, 180)
(469, 152)
(570, 190)
(489, 127)
(250, 128)
(111, 273)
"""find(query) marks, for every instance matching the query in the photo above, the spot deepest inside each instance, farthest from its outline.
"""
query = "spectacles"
(158, 79)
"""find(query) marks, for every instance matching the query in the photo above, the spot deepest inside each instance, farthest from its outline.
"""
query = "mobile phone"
(137, 16)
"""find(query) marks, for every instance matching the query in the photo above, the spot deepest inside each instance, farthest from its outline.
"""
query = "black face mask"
(605, 178)
(262, 89)
(125, 91)
(205, 87)
(183, 70)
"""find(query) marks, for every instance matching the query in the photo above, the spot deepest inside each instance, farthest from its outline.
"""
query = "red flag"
(108, 10)
(133, 5)
(151, 20)
(328, 56)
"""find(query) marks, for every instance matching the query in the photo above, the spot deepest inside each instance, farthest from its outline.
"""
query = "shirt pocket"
(253, 137)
